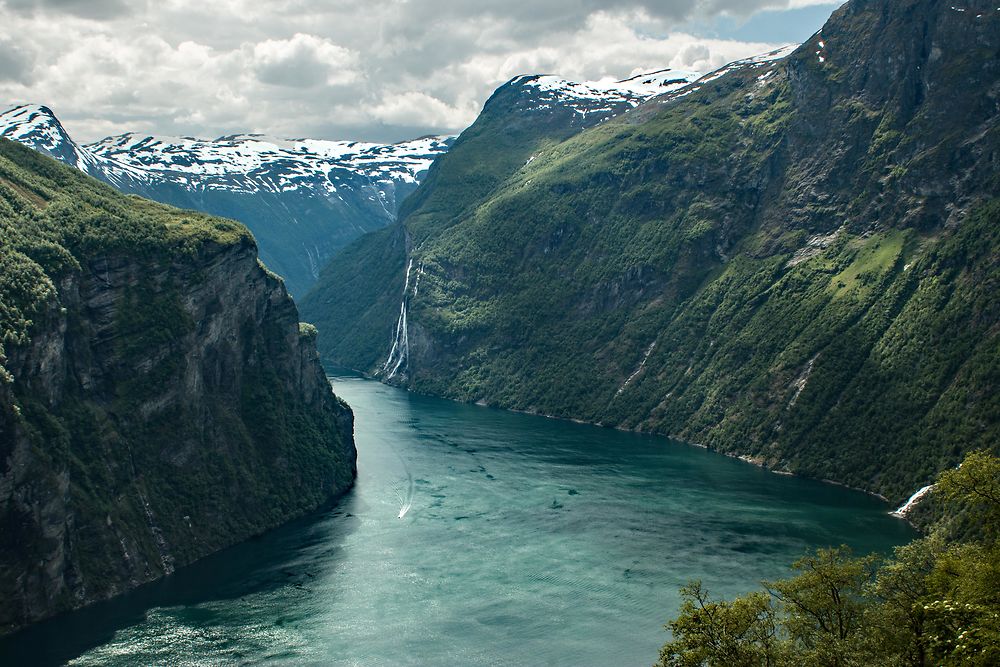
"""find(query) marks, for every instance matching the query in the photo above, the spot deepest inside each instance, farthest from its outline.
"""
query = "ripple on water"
(528, 542)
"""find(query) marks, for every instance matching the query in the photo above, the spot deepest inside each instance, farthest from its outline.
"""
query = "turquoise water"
(522, 541)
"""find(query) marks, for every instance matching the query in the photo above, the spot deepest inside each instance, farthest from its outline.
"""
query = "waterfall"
(416, 283)
(642, 365)
(400, 351)
(907, 507)
(406, 285)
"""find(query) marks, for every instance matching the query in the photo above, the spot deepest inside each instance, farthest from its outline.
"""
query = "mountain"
(356, 301)
(793, 260)
(159, 399)
(303, 199)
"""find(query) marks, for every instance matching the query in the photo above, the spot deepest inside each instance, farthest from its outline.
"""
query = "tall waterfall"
(400, 351)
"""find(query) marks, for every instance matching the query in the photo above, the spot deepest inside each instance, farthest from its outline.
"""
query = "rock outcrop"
(160, 399)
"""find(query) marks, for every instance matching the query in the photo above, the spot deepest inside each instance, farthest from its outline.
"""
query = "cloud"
(420, 109)
(347, 69)
(15, 64)
(304, 61)
(92, 9)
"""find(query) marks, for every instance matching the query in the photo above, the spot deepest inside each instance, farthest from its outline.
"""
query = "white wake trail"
(406, 503)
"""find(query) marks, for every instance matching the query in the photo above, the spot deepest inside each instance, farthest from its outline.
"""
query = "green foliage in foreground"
(935, 602)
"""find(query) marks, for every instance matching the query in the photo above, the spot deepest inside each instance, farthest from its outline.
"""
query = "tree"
(899, 622)
(976, 485)
(963, 601)
(936, 602)
(824, 607)
(741, 633)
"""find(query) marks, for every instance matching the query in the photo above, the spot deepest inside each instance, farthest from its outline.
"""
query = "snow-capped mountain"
(251, 162)
(36, 126)
(303, 199)
(602, 98)
(524, 119)
(592, 102)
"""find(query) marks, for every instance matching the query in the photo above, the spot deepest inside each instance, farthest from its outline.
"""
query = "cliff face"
(161, 400)
(792, 260)
(356, 298)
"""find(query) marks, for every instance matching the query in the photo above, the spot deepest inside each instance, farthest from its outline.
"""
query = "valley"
(766, 261)
(688, 355)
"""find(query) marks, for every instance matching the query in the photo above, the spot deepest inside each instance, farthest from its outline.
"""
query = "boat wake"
(405, 501)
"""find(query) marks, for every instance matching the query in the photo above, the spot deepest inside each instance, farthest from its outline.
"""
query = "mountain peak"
(35, 125)
(304, 198)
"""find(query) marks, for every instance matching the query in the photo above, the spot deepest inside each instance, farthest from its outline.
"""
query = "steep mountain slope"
(303, 199)
(356, 300)
(795, 261)
(159, 399)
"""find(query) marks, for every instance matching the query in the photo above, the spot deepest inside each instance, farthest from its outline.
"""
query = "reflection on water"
(476, 537)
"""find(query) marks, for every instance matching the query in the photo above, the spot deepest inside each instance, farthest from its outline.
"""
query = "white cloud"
(416, 108)
(350, 69)
(304, 61)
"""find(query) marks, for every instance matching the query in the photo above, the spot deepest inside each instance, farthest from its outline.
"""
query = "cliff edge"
(159, 399)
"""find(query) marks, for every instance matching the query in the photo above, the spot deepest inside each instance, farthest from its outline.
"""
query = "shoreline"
(746, 458)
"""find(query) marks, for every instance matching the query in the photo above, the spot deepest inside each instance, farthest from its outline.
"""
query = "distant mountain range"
(302, 198)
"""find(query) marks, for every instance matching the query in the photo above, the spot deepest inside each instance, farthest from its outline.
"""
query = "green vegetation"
(158, 392)
(307, 330)
(355, 303)
(52, 219)
(936, 601)
(783, 263)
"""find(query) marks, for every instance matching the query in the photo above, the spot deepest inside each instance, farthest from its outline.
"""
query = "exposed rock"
(164, 405)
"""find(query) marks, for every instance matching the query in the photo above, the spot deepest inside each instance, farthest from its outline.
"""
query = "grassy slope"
(51, 218)
(355, 302)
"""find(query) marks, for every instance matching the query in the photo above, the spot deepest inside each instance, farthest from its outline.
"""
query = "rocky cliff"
(160, 399)
(793, 259)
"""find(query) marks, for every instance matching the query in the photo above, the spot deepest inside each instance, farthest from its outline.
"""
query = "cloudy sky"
(378, 70)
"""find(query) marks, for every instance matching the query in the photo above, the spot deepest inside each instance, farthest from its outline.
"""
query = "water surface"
(476, 537)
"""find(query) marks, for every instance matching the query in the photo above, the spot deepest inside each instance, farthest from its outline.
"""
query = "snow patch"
(241, 163)
(606, 97)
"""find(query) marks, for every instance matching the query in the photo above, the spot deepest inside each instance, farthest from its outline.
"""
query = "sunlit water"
(476, 537)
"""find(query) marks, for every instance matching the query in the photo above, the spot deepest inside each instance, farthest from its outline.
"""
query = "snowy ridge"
(766, 61)
(602, 97)
(36, 126)
(249, 162)
(753, 62)
(243, 163)
(303, 199)
(608, 98)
